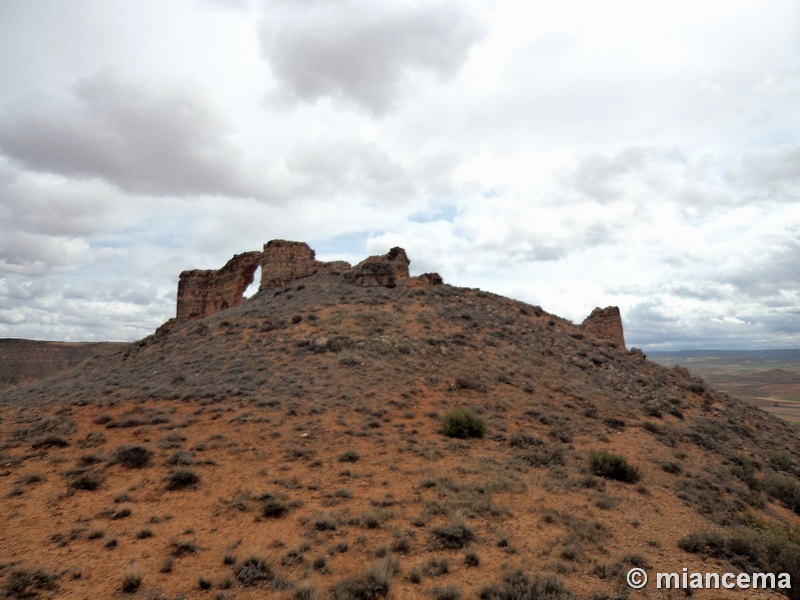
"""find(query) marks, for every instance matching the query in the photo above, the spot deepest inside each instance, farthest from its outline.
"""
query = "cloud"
(569, 154)
(64, 308)
(364, 52)
(770, 276)
(141, 140)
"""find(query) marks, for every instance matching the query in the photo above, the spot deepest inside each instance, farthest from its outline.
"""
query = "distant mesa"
(202, 293)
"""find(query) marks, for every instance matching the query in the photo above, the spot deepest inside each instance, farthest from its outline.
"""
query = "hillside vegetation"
(325, 440)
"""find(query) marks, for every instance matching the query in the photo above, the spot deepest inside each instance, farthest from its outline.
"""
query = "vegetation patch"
(272, 508)
(25, 583)
(519, 586)
(785, 489)
(375, 584)
(453, 536)
(131, 582)
(81, 479)
(463, 423)
(253, 571)
(181, 479)
(132, 456)
(612, 466)
(761, 547)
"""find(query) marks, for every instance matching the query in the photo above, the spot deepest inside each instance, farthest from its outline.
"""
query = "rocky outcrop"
(204, 292)
(387, 270)
(605, 324)
(425, 279)
(283, 261)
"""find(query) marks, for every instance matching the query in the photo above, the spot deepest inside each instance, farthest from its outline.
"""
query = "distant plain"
(768, 379)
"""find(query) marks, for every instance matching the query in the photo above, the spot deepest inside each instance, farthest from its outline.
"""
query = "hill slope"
(292, 443)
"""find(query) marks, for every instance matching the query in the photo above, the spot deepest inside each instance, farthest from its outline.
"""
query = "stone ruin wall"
(283, 261)
(605, 324)
(202, 293)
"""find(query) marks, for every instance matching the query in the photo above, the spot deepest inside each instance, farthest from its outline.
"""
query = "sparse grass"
(371, 518)
(612, 466)
(171, 440)
(469, 382)
(783, 488)
(132, 456)
(122, 514)
(401, 545)
(500, 487)
(453, 536)
(84, 480)
(461, 422)
(272, 508)
(524, 440)
(29, 479)
(324, 522)
(375, 584)
(350, 456)
(180, 479)
(519, 586)
(182, 548)
(320, 564)
(450, 592)
(50, 441)
(253, 571)
(471, 559)
(131, 582)
(306, 593)
(27, 583)
(182, 458)
(762, 547)
(436, 567)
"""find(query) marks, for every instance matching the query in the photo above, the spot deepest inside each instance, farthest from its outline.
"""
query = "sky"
(569, 154)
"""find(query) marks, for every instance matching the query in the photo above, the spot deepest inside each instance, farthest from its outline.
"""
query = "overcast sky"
(570, 154)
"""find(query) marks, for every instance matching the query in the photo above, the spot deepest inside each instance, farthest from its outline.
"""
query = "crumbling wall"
(605, 324)
(284, 261)
(425, 279)
(204, 292)
(386, 270)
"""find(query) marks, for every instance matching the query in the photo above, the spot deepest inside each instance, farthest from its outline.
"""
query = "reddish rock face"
(387, 270)
(606, 324)
(425, 279)
(283, 261)
(204, 292)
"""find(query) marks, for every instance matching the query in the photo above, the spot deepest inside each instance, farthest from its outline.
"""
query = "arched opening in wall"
(253, 287)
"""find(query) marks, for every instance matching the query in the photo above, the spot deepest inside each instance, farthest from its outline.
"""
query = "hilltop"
(292, 444)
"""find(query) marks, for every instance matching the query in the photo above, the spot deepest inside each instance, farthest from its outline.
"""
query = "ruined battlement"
(205, 292)
(202, 293)
(605, 324)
